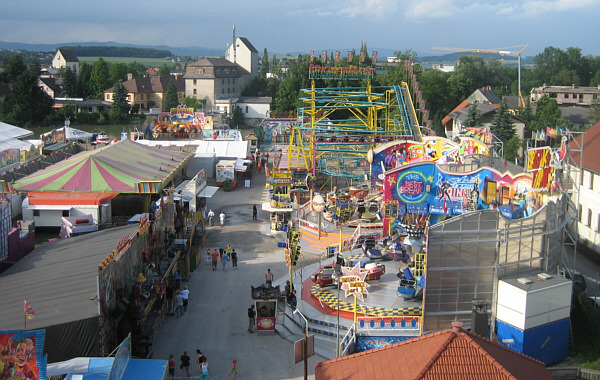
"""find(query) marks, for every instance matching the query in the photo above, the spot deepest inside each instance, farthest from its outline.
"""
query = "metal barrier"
(380, 324)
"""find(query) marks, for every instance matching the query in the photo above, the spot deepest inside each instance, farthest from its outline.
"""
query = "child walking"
(234, 370)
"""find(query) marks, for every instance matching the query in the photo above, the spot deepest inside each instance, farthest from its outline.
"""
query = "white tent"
(76, 134)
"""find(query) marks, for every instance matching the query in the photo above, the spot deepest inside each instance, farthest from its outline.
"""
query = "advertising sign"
(21, 355)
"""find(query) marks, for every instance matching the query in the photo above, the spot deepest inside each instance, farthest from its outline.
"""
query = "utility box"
(533, 316)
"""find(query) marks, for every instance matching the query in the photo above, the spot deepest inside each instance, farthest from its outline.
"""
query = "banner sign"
(353, 282)
(538, 162)
(22, 355)
(333, 72)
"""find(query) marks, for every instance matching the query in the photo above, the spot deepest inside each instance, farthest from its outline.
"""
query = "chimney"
(457, 326)
(479, 317)
(573, 86)
(129, 76)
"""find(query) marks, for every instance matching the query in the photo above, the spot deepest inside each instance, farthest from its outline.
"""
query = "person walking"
(207, 257)
(204, 370)
(215, 258)
(185, 293)
(251, 318)
(172, 367)
(269, 277)
(228, 249)
(178, 304)
(222, 218)
(224, 261)
(185, 363)
(234, 259)
(211, 215)
(234, 370)
(254, 212)
(199, 358)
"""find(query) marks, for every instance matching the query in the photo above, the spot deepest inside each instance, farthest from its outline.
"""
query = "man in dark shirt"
(185, 363)
(251, 318)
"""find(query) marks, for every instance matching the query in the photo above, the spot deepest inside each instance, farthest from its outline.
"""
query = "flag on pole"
(29, 313)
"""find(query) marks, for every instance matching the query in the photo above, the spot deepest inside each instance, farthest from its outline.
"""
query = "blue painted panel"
(548, 343)
(364, 343)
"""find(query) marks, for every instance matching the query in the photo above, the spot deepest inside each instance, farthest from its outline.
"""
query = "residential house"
(66, 58)
(218, 81)
(573, 101)
(50, 87)
(448, 354)
(487, 104)
(212, 79)
(254, 109)
(588, 180)
(566, 95)
(149, 92)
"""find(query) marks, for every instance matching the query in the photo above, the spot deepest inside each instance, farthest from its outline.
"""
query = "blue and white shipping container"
(532, 316)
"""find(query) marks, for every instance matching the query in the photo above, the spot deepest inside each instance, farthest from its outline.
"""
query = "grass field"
(150, 62)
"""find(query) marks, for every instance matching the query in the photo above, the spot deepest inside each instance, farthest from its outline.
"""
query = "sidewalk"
(216, 321)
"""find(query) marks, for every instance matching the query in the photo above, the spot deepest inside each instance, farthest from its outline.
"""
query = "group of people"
(211, 215)
(225, 255)
(181, 301)
(201, 361)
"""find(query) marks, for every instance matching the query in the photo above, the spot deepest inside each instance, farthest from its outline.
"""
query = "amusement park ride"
(386, 182)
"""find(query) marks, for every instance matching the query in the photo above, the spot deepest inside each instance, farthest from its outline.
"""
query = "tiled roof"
(448, 354)
(591, 149)
(462, 105)
(152, 84)
(69, 55)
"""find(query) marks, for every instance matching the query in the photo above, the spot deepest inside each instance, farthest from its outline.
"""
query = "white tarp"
(8, 132)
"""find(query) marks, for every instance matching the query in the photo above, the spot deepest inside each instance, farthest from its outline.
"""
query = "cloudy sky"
(284, 26)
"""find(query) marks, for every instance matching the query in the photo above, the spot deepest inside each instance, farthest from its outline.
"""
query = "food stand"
(226, 171)
(265, 300)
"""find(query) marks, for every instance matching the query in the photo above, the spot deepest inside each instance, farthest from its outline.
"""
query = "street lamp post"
(304, 343)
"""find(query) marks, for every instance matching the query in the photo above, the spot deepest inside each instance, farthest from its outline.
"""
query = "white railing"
(347, 343)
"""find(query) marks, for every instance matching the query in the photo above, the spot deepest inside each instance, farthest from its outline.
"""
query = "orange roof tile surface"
(448, 354)
(591, 149)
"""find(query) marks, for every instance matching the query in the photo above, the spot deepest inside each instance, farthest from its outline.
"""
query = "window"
(246, 109)
(226, 72)
(579, 212)
(391, 210)
(199, 71)
(218, 71)
(36, 212)
(222, 81)
(195, 92)
(589, 222)
(222, 91)
(65, 213)
(194, 82)
(592, 181)
(598, 225)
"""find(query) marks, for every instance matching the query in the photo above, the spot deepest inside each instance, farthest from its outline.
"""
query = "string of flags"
(550, 132)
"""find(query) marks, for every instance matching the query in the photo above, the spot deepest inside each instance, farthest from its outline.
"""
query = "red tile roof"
(591, 149)
(448, 354)
(462, 105)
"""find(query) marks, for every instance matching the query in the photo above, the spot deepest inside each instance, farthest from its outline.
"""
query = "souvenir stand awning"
(123, 167)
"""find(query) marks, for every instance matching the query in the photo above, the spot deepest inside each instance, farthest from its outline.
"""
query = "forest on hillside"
(117, 51)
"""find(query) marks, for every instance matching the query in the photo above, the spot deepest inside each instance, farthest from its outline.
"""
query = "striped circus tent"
(123, 167)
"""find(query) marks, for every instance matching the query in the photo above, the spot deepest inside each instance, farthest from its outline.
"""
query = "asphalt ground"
(216, 321)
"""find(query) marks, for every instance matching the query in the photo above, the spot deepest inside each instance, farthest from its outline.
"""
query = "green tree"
(83, 80)
(164, 70)
(473, 117)
(171, 99)
(502, 126)
(195, 103)
(460, 86)
(28, 103)
(237, 120)
(472, 68)
(264, 67)
(296, 78)
(13, 68)
(120, 107)
(547, 114)
(511, 148)
(99, 79)
(69, 83)
(136, 69)
(117, 72)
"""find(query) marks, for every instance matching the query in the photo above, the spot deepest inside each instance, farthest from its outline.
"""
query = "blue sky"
(291, 26)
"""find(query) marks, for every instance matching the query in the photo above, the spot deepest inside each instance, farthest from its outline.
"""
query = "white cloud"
(378, 9)
(535, 7)
(428, 9)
